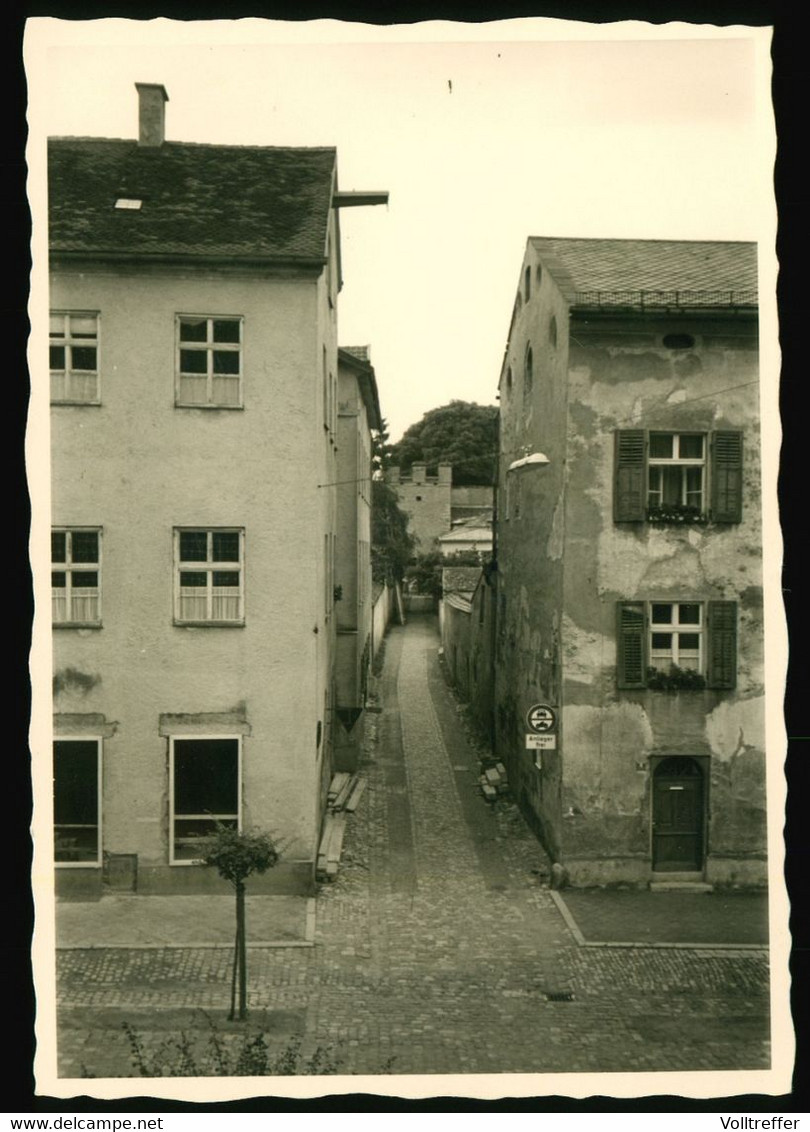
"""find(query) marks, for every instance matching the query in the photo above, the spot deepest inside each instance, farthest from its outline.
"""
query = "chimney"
(152, 99)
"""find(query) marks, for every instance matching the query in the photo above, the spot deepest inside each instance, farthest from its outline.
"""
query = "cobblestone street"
(437, 949)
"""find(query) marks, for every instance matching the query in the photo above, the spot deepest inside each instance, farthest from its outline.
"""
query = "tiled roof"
(680, 272)
(468, 532)
(362, 353)
(198, 200)
(357, 358)
(470, 515)
(460, 579)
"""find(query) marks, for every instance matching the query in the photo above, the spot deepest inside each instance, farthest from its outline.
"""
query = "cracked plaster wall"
(563, 564)
(609, 734)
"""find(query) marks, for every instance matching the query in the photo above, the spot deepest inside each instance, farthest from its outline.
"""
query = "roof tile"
(709, 271)
(198, 200)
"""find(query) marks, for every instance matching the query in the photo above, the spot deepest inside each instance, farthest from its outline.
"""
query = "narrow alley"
(438, 948)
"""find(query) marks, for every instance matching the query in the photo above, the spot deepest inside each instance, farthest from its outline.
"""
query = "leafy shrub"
(675, 680)
(247, 1056)
(668, 514)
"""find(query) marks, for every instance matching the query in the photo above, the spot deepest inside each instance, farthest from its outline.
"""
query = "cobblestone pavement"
(437, 949)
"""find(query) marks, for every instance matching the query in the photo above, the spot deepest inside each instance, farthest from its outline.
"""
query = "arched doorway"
(678, 811)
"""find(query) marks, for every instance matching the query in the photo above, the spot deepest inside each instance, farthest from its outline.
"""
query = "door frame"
(704, 765)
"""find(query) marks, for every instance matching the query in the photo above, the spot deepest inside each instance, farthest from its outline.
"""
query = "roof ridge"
(194, 145)
(638, 240)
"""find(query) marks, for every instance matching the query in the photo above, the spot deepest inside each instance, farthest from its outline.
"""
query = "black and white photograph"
(409, 663)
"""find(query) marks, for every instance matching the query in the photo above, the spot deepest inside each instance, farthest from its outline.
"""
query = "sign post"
(541, 721)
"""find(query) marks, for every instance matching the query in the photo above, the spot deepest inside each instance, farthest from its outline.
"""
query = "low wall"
(381, 617)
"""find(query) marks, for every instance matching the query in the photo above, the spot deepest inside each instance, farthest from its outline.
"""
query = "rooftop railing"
(662, 300)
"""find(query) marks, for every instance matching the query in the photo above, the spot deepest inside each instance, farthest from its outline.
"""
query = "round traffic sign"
(541, 719)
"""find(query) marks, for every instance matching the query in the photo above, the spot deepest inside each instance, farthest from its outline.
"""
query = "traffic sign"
(540, 742)
(541, 719)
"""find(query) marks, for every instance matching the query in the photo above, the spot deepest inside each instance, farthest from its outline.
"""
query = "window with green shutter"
(726, 476)
(721, 668)
(676, 645)
(670, 478)
(630, 476)
(632, 667)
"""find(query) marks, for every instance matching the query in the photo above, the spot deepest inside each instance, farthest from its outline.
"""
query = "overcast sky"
(482, 134)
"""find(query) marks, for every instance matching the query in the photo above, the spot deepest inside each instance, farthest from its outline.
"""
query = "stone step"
(680, 886)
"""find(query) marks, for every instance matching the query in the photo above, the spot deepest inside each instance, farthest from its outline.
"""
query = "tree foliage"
(462, 433)
(424, 575)
(380, 447)
(236, 855)
(391, 542)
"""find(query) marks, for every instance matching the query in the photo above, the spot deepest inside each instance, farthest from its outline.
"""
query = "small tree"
(236, 856)
(391, 542)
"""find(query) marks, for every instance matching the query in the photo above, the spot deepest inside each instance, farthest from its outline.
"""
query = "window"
(527, 283)
(76, 576)
(678, 341)
(209, 362)
(528, 373)
(204, 790)
(675, 470)
(662, 476)
(77, 801)
(677, 644)
(74, 358)
(552, 330)
(676, 636)
(209, 577)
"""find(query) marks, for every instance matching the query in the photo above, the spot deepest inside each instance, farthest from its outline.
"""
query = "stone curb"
(307, 941)
(573, 927)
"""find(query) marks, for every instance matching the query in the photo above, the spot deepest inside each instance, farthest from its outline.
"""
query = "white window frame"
(69, 375)
(173, 815)
(208, 347)
(209, 567)
(69, 568)
(89, 864)
(654, 463)
(676, 628)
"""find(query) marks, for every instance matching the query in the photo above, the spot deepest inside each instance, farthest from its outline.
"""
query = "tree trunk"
(242, 945)
(232, 1013)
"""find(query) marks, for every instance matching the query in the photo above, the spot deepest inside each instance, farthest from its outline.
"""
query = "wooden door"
(678, 816)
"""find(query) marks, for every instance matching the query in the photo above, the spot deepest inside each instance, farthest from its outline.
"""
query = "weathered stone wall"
(564, 564)
(467, 640)
(426, 501)
(623, 376)
(471, 495)
(530, 532)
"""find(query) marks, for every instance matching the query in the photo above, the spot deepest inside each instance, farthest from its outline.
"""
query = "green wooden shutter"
(721, 662)
(630, 476)
(630, 650)
(726, 473)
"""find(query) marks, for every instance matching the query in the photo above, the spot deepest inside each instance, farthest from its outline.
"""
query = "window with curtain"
(210, 576)
(76, 576)
(209, 362)
(74, 358)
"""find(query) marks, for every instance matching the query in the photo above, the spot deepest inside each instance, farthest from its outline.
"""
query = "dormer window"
(131, 204)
